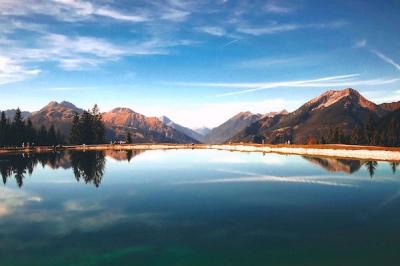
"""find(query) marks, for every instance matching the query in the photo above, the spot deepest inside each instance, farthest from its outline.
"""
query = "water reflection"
(336, 165)
(202, 207)
(371, 167)
(89, 166)
(20, 165)
(394, 166)
(348, 166)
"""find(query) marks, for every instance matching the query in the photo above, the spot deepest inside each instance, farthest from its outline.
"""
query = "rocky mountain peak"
(62, 105)
(333, 96)
(122, 110)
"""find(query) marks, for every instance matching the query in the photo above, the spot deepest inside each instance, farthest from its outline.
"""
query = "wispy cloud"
(360, 43)
(83, 52)
(230, 43)
(274, 28)
(11, 71)
(386, 59)
(67, 10)
(212, 30)
(324, 82)
(363, 44)
(279, 61)
(277, 7)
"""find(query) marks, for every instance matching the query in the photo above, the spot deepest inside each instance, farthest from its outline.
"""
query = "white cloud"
(274, 28)
(67, 10)
(11, 71)
(82, 52)
(276, 7)
(361, 43)
(172, 14)
(212, 30)
(106, 12)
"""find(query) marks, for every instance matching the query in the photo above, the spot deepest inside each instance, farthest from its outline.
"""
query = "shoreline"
(339, 151)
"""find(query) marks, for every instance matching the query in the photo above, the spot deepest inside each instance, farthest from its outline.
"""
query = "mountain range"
(144, 129)
(345, 109)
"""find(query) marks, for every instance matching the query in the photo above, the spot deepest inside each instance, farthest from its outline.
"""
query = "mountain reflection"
(87, 166)
(348, 166)
(336, 165)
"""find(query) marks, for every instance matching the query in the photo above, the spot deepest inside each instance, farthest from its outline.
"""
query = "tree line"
(378, 132)
(17, 132)
(87, 128)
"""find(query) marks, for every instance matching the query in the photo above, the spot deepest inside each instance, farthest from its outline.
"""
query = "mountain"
(187, 131)
(11, 113)
(58, 114)
(343, 108)
(202, 130)
(142, 128)
(390, 106)
(231, 127)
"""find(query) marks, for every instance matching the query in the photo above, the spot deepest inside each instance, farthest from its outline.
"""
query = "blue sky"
(198, 62)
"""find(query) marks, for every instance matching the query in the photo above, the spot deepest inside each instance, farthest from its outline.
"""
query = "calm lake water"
(197, 207)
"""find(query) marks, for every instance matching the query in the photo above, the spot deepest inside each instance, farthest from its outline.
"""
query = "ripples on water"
(197, 207)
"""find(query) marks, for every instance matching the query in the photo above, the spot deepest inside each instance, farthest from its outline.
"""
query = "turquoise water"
(197, 207)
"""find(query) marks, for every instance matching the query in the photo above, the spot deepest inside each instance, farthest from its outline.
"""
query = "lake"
(197, 207)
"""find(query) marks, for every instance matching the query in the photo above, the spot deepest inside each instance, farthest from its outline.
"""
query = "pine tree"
(86, 128)
(370, 130)
(52, 136)
(18, 128)
(98, 125)
(30, 132)
(3, 130)
(357, 136)
(42, 138)
(60, 137)
(75, 134)
(128, 137)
